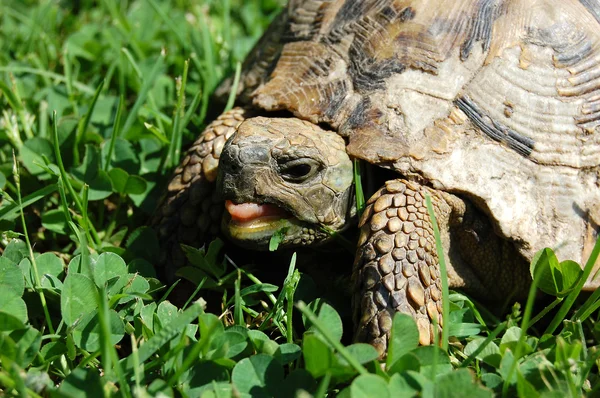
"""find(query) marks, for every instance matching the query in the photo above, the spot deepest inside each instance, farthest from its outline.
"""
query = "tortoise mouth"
(252, 225)
(254, 215)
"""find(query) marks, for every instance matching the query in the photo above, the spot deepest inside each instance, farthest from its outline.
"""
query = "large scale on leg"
(396, 264)
(490, 106)
(190, 211)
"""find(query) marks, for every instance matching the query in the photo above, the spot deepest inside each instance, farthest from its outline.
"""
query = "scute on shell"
(498, 100)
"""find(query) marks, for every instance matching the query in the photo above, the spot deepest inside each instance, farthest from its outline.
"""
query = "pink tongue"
(250, 211)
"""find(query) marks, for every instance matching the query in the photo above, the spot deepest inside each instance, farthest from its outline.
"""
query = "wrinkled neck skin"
(285, 176)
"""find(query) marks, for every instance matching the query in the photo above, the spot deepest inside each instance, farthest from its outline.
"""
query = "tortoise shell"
(494, 100)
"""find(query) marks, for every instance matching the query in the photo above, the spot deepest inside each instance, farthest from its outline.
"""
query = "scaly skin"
(397, 266)
(494, 101)
(292, 164)
(191, 210)
(290, 176)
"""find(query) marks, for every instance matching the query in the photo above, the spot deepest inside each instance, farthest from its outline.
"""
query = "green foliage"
(554, 277)
(96, 101)
(196, 358)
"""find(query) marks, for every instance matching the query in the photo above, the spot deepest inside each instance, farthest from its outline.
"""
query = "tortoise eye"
(298, 170)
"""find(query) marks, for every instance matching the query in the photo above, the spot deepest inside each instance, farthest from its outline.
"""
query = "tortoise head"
(286, 175)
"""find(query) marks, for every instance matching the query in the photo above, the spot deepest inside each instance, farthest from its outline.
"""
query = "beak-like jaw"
(284, 176)
(255, 228)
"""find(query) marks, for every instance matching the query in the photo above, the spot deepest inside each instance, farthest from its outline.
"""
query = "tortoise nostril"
(229, 162)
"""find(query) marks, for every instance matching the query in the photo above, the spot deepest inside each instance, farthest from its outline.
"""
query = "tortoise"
(490, 107)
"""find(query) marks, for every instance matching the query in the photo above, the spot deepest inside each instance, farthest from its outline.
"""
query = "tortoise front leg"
(190, 213)
(396, 266)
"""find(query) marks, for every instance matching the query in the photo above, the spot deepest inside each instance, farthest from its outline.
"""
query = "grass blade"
(36, 274)
(570, 300)
(149, 82)
(238, 314)
(65, 177)
(82, 127)
(169, 22)
(176, 133)
(323, 386)
(167, 333)
(115, 133)
(360, 196)
(443, 273)
(593, 302)
(44, 73)
(289, 288)
(11, 211)
(234, 87)
(499, 329)
(191, 110)
(334, 343)
(133, 64)
(524, 327)
(11, 97)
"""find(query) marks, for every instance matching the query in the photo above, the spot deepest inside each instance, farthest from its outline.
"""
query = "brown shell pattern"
(498, 100)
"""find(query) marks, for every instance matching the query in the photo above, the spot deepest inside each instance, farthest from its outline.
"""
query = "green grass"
(97, 98)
